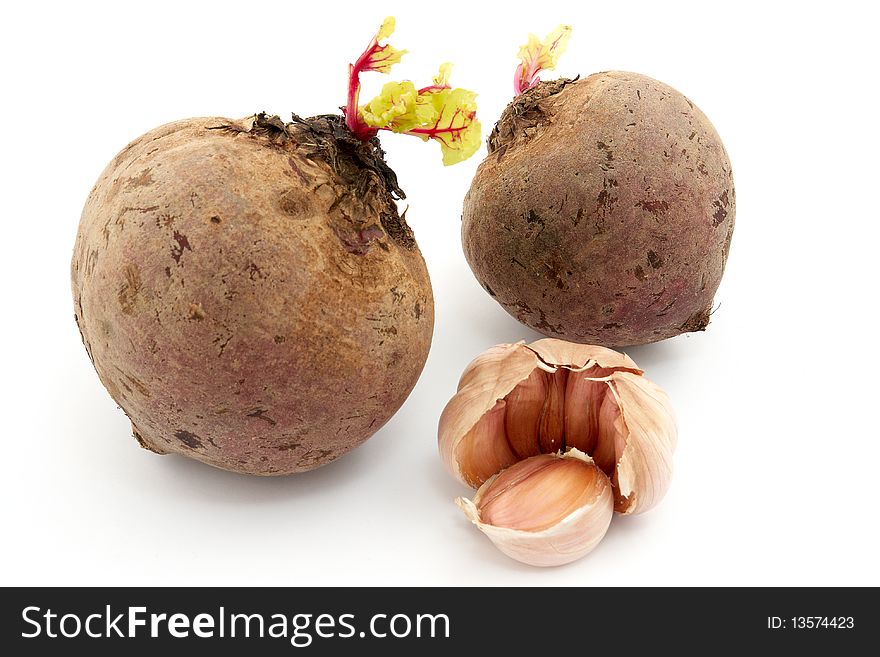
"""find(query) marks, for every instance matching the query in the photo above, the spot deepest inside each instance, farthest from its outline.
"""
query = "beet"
(246, 289)
(249, 294)
(604, 211)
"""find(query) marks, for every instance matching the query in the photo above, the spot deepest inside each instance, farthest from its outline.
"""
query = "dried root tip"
(547, 510)
(143, 442)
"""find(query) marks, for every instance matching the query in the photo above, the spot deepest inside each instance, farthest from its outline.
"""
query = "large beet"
(604, 211)
(248, 293)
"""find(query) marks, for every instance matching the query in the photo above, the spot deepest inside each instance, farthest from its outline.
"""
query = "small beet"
(604, 210)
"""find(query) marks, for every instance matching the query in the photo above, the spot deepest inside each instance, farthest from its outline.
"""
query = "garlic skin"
(547, 510)
(644, 468)
(596, 399)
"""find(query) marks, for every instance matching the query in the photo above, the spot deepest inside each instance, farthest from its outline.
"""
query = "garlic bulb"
(546, 510)
(517, 402)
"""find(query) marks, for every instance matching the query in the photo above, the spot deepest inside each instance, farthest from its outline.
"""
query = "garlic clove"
(546, 510)
(485, 450)
(525, 410)
(536, 495)
(583, 399)
(551, 429)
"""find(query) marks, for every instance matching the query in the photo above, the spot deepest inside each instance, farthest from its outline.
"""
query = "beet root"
(248, 293)
(603, 212)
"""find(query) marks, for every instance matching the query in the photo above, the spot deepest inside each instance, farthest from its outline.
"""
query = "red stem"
(434, 87)
(432, 131)
(517, 80)
(352, 116)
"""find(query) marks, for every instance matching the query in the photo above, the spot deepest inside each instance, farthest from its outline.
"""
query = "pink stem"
(528, 79)
(352, 115)
(517, 80)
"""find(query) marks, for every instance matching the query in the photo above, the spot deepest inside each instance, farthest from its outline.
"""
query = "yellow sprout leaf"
(438, 112)
(381, 58)
(397, 108)
(386, 29)
(442, 78)
(545, 54)
(537, 55)
(453, 123)
(445, 115)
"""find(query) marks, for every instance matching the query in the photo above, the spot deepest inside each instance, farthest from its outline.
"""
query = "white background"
(777, 466)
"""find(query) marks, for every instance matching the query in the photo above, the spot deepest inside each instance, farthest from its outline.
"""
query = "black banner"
(284, 621)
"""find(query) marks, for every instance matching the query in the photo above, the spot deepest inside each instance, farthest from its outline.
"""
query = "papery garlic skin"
(488, 378)
(564, 532)
(485, 449)
(644, 469)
